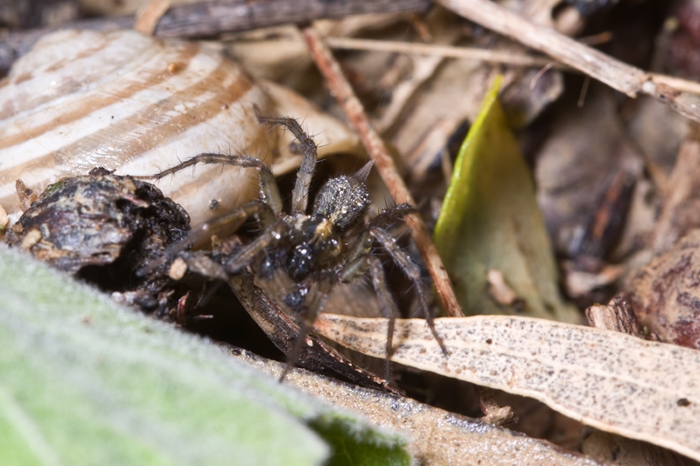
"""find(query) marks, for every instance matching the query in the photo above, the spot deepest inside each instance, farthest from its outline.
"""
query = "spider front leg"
(411, 270)
(300, 195)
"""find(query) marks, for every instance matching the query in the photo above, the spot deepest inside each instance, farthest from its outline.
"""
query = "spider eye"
(342, 200)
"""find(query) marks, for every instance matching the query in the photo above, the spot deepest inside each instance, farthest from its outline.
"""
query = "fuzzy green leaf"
(84, 381)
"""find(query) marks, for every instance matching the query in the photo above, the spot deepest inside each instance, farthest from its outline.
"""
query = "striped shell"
(131, 103)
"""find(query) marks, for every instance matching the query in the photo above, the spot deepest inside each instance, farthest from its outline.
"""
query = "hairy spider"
(317, 250)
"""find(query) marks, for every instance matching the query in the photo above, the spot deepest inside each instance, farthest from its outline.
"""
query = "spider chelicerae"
(332, 244)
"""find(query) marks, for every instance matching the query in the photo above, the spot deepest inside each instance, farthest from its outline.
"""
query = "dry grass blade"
(341, 90)
(614, 382)
(450, 51)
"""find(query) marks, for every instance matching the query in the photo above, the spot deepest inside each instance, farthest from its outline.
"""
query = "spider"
(332, 244)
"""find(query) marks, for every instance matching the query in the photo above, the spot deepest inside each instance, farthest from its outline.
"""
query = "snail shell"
(131, 103)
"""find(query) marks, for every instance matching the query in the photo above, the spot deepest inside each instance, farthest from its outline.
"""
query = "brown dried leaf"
(681, 212)
(617, 383)
(569, 199)
(658, 132)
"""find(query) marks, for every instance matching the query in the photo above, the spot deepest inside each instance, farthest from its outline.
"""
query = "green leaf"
(361, 447)
(490, 220)
(84, 381)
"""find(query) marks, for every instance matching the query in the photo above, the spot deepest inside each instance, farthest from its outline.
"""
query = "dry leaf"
(681, 211)
(617, 383)
(591, 140)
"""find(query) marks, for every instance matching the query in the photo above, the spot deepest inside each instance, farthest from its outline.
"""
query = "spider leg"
(232, 220)
(300, 195)
(411, 270)
(388, 216)
(318, 302)
(268, 186)
(356, 267)
(386, 302)
(272, 234)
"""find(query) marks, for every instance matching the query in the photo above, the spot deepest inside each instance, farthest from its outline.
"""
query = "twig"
(616, 74)
(485, 55)
(341, 90)
(208, 19)
(480, 54)
(617, 316)
(677, 83)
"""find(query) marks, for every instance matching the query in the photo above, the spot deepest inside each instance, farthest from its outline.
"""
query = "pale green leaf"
(490, 221)
(84, 381)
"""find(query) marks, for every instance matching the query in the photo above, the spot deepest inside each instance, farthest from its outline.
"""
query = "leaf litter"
(423, 103)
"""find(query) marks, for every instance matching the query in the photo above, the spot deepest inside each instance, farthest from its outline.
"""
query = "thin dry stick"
(147, 20)
(341, 90)
(614, 73)
(480, 54)
(485, 55)
(678, 83)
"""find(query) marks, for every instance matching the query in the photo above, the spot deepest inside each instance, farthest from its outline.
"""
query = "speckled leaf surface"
(84, 381)
(490, 220)
(615, 382)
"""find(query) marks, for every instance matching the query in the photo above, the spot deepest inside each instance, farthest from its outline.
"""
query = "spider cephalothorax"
(332, 244)
(316, 240)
